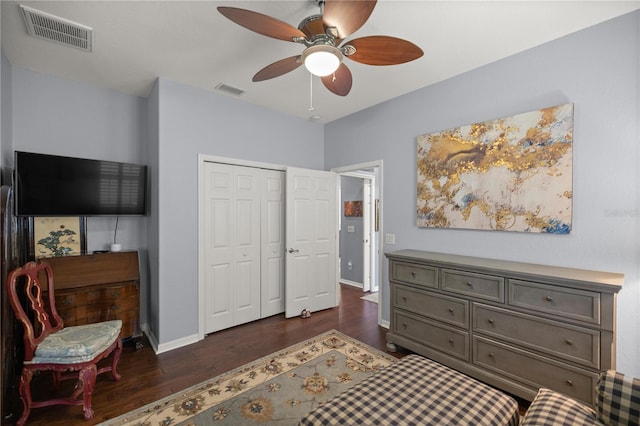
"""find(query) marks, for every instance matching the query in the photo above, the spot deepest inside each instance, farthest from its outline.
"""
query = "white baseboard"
(159, 348)
(153, 341)
(385, 324)
(351, 283)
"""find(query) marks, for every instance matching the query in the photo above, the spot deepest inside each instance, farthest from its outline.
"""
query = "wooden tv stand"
(516, 326)
(98, 287)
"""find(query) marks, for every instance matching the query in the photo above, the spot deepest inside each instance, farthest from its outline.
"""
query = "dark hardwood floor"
(147, 377)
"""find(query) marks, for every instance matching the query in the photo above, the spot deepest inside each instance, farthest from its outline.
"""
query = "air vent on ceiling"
(43, 25)
(229, 89)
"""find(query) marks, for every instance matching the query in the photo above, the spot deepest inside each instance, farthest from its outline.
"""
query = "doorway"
(360, 243)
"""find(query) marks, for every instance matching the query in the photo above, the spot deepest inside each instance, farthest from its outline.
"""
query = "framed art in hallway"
(353, 208)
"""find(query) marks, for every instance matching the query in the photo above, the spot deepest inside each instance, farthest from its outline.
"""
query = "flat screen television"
(51, 185)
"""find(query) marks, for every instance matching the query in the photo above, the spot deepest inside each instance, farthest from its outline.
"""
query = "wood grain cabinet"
(516, 326)
(98, 287)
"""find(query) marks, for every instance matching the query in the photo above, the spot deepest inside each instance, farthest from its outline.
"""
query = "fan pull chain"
(310, 92)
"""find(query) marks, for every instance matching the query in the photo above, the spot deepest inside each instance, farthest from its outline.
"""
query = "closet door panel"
(272, 229)
(219, 252)
(232, 245)
(247, 243)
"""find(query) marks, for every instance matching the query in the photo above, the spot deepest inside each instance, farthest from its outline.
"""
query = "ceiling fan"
(323, 36)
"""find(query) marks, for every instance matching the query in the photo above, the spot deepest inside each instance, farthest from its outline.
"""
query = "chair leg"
(25, 395)
(87, 377)
(116, 357)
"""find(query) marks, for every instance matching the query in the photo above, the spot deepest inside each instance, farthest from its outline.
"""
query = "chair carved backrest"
(37, 321)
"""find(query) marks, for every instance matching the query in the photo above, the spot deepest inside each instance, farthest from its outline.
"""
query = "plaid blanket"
(417, 391)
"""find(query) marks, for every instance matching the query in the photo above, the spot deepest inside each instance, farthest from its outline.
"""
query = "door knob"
(293, 250)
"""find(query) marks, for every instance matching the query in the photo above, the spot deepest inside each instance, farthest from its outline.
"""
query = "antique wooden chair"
(69, 352)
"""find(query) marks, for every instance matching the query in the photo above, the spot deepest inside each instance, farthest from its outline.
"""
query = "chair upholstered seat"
(77, 344)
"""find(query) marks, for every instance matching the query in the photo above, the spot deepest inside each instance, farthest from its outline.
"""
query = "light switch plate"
(390, 238)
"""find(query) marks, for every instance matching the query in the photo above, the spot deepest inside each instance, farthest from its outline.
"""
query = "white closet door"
(311, 241)
(232, 245)
(272, 242)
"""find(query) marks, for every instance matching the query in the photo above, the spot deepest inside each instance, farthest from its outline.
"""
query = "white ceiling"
(190, 42)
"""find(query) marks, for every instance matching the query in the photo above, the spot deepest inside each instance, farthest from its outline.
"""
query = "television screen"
(51, 185)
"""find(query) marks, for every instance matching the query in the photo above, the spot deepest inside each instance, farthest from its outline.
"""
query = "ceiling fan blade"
(339, 82)
(278, 68)
(347, 15)
(261, 24)
(383, 50)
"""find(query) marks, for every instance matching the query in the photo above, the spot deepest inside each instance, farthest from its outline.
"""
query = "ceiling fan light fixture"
(322, 59)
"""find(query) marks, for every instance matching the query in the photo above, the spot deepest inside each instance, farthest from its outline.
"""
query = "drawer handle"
(451, 310)
(404, 298)
(469, 284)
(491, 355)
(413, 274)
(569, 382)
(490, 320)
(451, 341)
(569, 342)
(549, 299)
(404, 325)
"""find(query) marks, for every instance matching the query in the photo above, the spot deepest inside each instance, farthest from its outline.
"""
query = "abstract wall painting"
(509, 174)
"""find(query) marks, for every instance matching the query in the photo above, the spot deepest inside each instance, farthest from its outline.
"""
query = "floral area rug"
(275, 390)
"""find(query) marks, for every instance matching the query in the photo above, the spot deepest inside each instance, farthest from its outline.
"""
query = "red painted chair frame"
(46, 323)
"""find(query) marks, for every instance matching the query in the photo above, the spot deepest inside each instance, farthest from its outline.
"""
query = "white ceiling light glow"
(322, 60)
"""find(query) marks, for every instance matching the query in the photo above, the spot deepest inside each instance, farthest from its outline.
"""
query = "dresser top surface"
(609, 279)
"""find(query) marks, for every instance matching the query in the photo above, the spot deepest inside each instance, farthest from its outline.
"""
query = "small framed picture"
(58, 236)
(353, 208)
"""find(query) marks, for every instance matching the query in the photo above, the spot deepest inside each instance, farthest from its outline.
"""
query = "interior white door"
(311, 241)
(232, 245)
(366, 234)
(272, 229)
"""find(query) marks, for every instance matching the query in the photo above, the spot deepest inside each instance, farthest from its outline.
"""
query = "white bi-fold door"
(244, 255)
(243, 247)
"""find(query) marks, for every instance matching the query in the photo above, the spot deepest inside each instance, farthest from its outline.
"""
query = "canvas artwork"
(509, 174)
(353, 208)
(57, 236)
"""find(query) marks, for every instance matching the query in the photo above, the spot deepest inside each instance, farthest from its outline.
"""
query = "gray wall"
(55, 116)
(192, 122)
(597, 69)
(351, 242)
(166, 131)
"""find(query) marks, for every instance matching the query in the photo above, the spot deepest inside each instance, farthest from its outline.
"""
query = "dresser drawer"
(561, 301)
(80, 315)
(565, 341)
(430, 333)
(475, 285)
(442, 308)
(65, 301)
(534, 370)
(411, 273)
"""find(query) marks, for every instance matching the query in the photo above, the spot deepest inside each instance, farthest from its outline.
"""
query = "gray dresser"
(516, 326)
